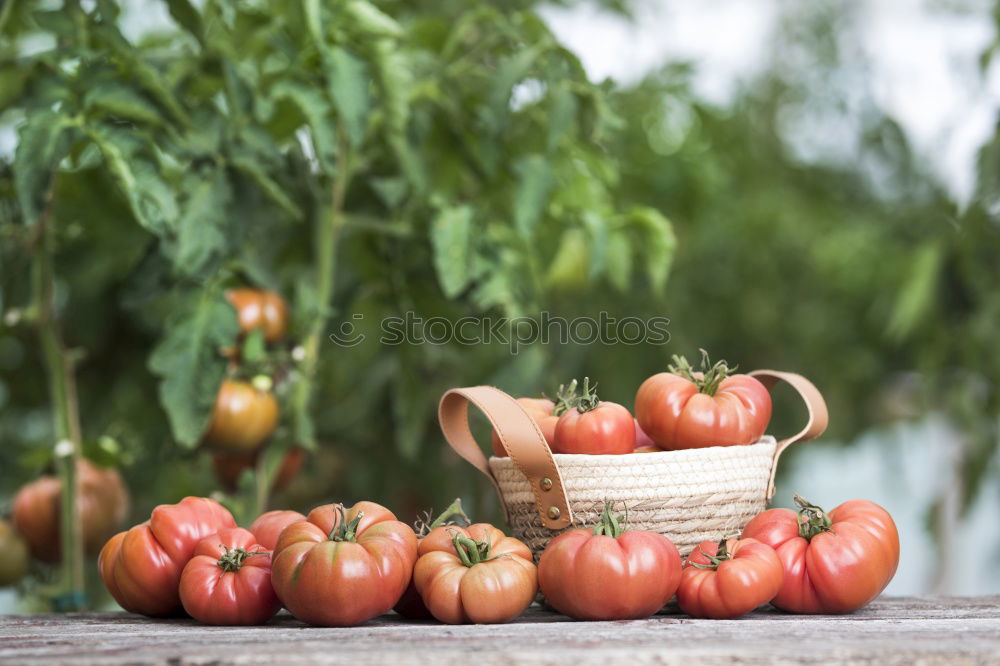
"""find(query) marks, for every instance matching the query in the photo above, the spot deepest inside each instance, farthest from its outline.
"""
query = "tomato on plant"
(545, 413)
(102, 503)
(228, 468)
(228, 580)
(259, 308)
(342, 567)
(728, 579)
(269, 525)
(609, 573)
(834, 562)
(685, 409)
(243, 418)
(13, 555)
(475, 574)
(590, 425)
(142, 567)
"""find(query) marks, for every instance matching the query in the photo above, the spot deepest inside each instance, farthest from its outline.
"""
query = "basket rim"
(680, 454)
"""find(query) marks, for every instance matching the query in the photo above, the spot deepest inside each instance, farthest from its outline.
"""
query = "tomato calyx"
(609, 524)
(454, 515)
(346, 530)
(565, 398)
(232, 559)
(812, 519)
(708, 378)
(470, 552)
(568, 399)
(721, 555)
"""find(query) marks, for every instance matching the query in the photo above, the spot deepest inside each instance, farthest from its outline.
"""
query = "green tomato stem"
(812, 519)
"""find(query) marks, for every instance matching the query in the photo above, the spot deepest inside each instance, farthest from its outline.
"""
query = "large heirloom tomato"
(684, 409)
(244, 416)
(142, 566)
(228, 581)
(343, 567)
(101, 500)
(728, 579)
(609, 573)
(475, 574)
(257, 308)
(593, 426)
(270, 524)
(13, 555)
(545, 413)
(834, 562)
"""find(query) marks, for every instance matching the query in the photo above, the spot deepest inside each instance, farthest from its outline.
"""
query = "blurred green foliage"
(458, 161)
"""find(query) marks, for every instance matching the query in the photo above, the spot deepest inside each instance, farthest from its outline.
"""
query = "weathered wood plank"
(925, 630)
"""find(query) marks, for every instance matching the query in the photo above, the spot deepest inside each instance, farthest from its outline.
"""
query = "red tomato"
(341, 567)
(243, 418)
(228, 468)
(683, 409)
(593, 426)
(258, 308)
(643, 442)
(834, 562)
(609, 573)
(228, 581)
(269, 525)
(101, 500)
(142, 567)
(475, 574)
(728, 579)
(540, 409)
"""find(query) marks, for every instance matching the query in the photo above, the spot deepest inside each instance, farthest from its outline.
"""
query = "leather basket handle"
(818, 417)
(520, 437)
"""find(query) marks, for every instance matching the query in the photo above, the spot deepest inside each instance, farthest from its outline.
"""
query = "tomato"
(142, 567)
(269, 525)
(643, 442)
(13, 555)
(342, 567)
(228, 581)
(609, 573)
(475, 574)
(684, 409)
(258, 308)
(834, 562)
(244, 416)
(229, 468)
(542, 411)
(101, 500)
(728, 579)
(590, 425)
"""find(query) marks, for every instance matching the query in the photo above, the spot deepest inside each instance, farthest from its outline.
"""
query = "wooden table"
(895, 630)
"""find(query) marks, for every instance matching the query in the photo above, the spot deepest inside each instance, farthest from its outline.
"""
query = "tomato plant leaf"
(316, 111)
(121, 101)
(348, 82)
(372, 20)
(186, 16)
(201, 229)
(534, 180)
(450, 237)
(619, 261)
(41, 145)
(257, 174)
(657, 244)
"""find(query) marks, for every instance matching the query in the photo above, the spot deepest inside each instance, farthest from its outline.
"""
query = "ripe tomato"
(643, 442)
(229, 468)
(590, 425)
(545, 414)
(258, 308)
(834, 562)
(609, 573)
(228, 581)
(728, 579)
(101, 500)
(341, 567)
(269, 525)
(13, 555)
(684, 409)
(475, 574)
(244, 416)
(142, 567)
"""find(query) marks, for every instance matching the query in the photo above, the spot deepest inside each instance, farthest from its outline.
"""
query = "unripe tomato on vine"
(13, 555)
(245, 415)
(260, 308)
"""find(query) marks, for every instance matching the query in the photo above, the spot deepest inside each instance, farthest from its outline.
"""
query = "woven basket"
(689, 496)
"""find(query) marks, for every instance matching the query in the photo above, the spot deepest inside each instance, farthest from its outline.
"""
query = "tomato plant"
(13, 555)
(834, 562)
(609, 573)
(685, 409)
(102, 503)
(728, 579)
(260, 309)
(268, 526)
(475, 574)
(142, 567)
(342, 567)
(243, 418)
(228, 468)
(228, 580)
(590, 425)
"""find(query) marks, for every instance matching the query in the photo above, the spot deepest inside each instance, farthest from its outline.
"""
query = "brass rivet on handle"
(546, 483)
(554, 512)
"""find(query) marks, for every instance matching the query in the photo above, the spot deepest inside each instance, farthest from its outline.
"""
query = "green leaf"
(450, 237)
(257, 174)
(253, 347)
(373, 20)
(657, 244)
(314, 21)
(41, 145)
(562, 113)
(186, 16)
(511, 70)
(56, 21)
(918, 293)
(121, 101)
(618, 261)
(597, 228)
(201, 230)
(534, 180)
(316, 110)
(348, 82)
(188, 363)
